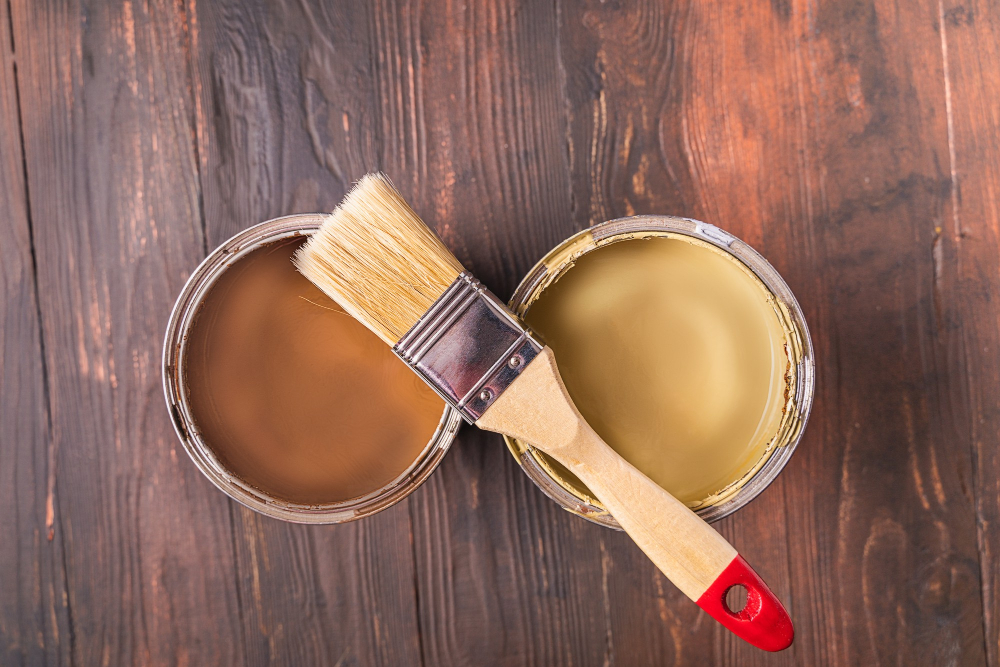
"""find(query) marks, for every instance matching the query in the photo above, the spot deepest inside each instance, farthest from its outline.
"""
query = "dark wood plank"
(286, 121)
(625, 86)
(108, 115)
(904, 568)
(814, 133)
(34, 620)
(473, 130)
(634, 82)
(331, 52)
(967, 253)
(284, 109)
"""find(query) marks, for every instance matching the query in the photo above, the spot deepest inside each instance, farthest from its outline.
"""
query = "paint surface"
(675, 354)
(294, 396)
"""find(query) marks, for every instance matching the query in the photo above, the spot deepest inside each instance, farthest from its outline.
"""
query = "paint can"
(177, 390)
(790, 387)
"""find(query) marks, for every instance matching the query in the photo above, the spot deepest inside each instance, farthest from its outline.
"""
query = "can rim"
(174, 345)
(560, 258)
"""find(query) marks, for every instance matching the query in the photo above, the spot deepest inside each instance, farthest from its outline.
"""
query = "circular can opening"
(178, 344)
(788, 381)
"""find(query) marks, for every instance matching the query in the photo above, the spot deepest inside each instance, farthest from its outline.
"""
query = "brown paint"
(294, 396)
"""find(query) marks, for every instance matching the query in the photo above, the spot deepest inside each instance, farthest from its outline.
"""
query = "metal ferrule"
(469, 347)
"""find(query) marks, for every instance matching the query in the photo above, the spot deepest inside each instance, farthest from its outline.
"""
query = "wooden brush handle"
(537, 409)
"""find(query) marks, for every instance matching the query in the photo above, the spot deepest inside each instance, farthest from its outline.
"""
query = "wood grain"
(34, 619)
(806, 136)
(965, 254)
(504, 577)
(106, 109)
(271, 122)
(855, 143)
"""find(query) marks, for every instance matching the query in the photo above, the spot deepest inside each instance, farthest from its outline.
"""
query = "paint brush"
(376, 258)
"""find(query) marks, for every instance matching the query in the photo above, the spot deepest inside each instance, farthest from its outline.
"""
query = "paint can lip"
(562, 257)
(174, 346)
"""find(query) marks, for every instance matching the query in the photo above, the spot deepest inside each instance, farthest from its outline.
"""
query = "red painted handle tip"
(763, 621)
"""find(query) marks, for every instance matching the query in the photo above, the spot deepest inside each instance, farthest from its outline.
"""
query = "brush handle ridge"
(537, 408)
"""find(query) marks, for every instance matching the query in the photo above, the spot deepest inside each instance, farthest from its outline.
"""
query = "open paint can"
(683, 348)
(285, 403)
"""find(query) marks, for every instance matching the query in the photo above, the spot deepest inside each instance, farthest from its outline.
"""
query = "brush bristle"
(376, 258)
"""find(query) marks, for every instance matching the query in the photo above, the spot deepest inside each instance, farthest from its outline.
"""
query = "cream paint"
(676, 354)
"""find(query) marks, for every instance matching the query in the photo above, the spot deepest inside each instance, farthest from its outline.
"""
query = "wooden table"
(855, 143)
